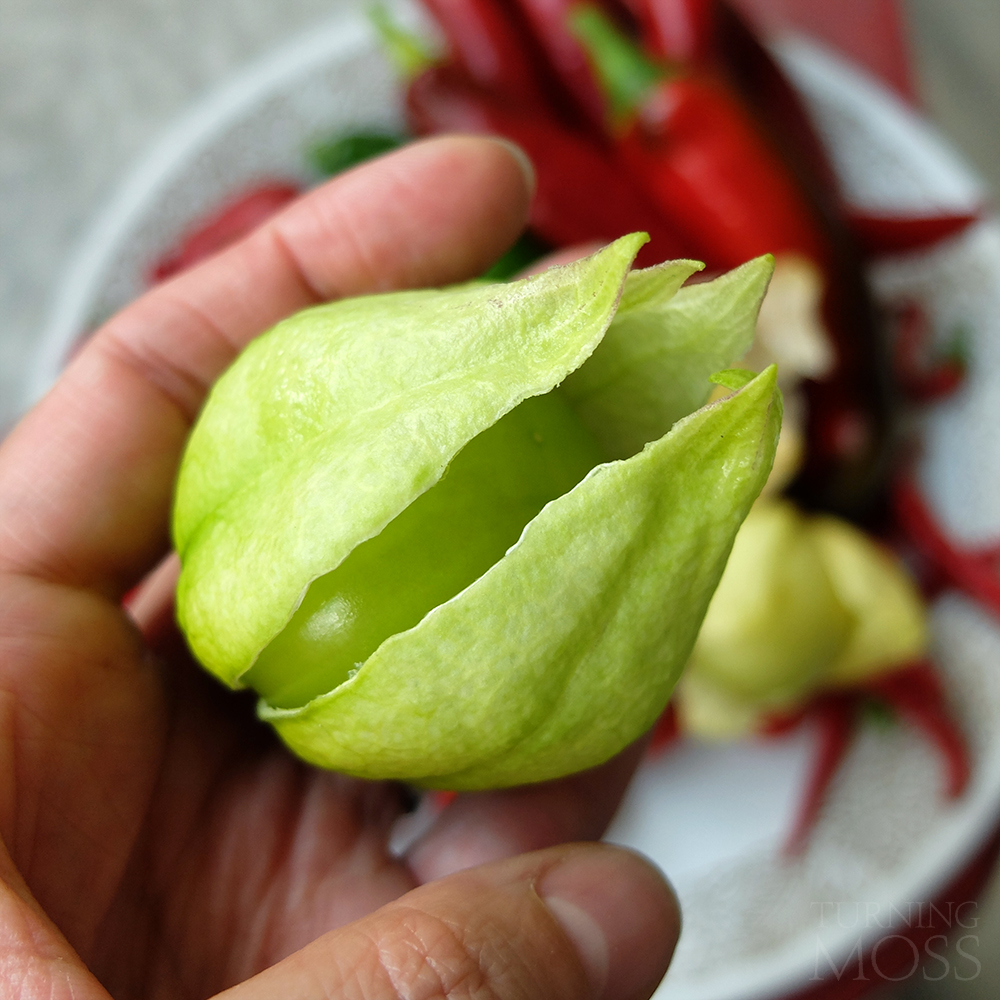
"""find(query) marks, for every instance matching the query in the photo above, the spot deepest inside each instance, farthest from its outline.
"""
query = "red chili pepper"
(734, 49)
(443, 798)
(849, 411)
(713, 34)
(695, 149)
(781, 724)
(834, 716)
(715, 177)
(680, 30)
(887, 234)
(755, 75)
(917, 694)
(972, 572)
(850, 419)
(486, 43)
(233, 220)
(666, 732)
(549, 23)
(581, 195)
(920, 380)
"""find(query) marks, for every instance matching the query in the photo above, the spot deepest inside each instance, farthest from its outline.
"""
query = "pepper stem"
(625, 73)
(407, 52)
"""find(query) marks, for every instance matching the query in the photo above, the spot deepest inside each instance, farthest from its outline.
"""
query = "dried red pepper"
(738, 54)
(233, 220)
(485, 42)
(834, 716)
(686, 138)
(849, 425)
(921, 379)
(682, 31)
(581, 196)
(550, 27)
(698, 152)
(887, 234)
(916, 693)
(973, 572)
(666, 731)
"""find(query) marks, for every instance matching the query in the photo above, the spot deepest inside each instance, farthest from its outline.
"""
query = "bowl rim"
(973, 823)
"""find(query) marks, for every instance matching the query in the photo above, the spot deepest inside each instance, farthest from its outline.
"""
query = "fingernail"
(620, 915)
(527, 167)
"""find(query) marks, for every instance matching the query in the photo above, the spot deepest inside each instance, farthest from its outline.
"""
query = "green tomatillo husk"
(466, 537)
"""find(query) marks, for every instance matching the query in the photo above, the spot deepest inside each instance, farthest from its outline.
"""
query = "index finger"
(86, 479)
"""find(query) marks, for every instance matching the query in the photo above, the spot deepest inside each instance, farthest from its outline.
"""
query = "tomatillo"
(466, 537)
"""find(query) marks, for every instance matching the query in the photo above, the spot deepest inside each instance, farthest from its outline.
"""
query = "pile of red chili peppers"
(669, 116)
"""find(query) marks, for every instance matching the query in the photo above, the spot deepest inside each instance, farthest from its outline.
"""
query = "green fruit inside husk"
(465, 537)
(444, 541)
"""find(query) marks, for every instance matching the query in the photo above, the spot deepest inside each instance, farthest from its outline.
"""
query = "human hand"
(156, 838)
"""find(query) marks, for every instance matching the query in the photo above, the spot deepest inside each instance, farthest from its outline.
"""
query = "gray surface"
(956, 45)
(86, 85)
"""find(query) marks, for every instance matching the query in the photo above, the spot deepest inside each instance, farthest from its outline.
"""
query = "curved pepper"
(685, 138)
(549, 22)
(581, 195)
(679, 30)
(237, 217)
(484, 41)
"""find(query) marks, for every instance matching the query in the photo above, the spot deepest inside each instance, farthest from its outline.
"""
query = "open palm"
(158, 841)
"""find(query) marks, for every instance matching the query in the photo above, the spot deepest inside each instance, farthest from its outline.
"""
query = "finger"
(565, 255)
(35, 958)
(85, 481)
(570, 922)
(479, 827)
(151, 604)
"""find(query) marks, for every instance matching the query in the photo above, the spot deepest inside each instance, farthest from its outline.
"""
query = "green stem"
(406, 51)
(626, 75)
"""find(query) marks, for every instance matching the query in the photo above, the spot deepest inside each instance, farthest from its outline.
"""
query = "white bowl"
(714, 818)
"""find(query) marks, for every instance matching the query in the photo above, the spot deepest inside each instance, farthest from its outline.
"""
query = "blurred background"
(87, 85)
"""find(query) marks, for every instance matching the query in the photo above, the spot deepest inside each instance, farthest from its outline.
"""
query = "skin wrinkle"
(14, 547)
(180, 388)
(264, 944)
(264, 935)
(253, 964)
(144, 904)
(249, 264)
(40, 733)
(360, 854)
(476, 978)
(151, 893)
(407, 960)
(9, 765)
(272, 231)
(49, 804)
(204, 829)
(20, 819)
(341, 228)
(466, 968)
(33, 960)
(462, 956)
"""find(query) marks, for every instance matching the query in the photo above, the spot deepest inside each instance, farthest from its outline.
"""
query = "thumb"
(576, 921)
